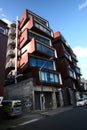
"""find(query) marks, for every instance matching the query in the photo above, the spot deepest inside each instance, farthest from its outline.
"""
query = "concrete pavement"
(28, 117)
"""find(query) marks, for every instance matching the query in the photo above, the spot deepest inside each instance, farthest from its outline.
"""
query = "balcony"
(45, 30)
(71, 73)
(12, 32)
(11, 43)
(34, 25)
(77, 69)
(67, 55)
(35, 46)
(38, 18)
(10, 64)
(74, 57)
(11, 53)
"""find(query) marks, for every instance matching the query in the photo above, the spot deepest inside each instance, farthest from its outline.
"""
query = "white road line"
(27, 122)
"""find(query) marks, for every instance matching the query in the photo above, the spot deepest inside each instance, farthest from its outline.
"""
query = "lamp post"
(16, 51)
(42, 98)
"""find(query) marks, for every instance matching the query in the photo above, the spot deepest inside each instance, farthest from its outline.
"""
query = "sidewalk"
(28, 117)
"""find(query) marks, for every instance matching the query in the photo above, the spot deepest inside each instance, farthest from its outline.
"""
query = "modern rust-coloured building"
(36, 61)
(66, 64)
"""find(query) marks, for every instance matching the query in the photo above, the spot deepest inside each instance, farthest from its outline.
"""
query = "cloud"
(81, 54)
(83, 5)
(4, 18)
(2, 13)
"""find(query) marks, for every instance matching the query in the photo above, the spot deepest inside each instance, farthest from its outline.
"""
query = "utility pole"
(16, 50)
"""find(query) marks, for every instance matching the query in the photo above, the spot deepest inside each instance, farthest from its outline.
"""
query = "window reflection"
(39, 62)
(49, 77)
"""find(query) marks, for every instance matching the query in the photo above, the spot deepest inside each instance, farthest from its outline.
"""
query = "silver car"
(80, 102)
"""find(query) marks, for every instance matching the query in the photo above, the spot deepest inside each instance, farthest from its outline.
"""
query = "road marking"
(27, 122)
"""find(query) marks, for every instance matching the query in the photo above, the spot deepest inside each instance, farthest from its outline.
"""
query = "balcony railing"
(38, 18)
(43, 28)
(10, 64)
(45, 49)
(74, 57)
(11, 53)
(78, 70)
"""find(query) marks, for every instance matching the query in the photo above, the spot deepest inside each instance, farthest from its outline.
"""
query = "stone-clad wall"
(19, 90)
(22, 91)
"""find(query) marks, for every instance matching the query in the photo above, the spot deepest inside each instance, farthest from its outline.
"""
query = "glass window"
(56, 78)
(33, 61)
(42, 28)
(45, 49)
(39, 38)
(49, 77)
(2, 30)
(40, 62)
(71, 73)
(43, 76)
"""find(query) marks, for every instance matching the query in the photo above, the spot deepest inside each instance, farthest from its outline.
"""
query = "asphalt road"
(75, 119)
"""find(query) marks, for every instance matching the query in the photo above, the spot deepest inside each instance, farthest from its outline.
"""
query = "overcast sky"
(67, 16)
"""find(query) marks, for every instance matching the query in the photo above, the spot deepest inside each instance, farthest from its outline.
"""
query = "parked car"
(85, 101)
(81, 102)
(12, 107)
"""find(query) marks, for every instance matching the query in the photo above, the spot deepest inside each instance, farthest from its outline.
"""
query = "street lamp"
(42, 98)
(16, 50)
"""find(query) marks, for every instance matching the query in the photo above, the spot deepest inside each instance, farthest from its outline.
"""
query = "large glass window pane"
(39, 47)
(56, 78)
(51, 77)
(40, 62)
(37, 37)
(33, 61)
(45, 49)
(2, 30)
(48, 77)
(42, 77)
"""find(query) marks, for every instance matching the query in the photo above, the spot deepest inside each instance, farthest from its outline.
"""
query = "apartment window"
(39, 38)
(67, 55)
(78, 70)
(49, 77)
(2, 30)
(38, 19)
(39, 62)
(71, 73)
(42, 28)
(45, 49)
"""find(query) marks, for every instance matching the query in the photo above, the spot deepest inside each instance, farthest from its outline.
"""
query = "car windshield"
(80, 99)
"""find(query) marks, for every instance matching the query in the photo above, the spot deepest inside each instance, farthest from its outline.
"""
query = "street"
(75, 119)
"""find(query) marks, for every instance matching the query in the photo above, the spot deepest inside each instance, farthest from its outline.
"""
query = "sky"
(67, 16)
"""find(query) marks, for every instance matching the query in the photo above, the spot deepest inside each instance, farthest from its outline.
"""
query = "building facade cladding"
(67, 64)
(3, 47)
(10, 56)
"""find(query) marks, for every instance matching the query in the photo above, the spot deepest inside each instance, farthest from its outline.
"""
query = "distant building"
(3, 48)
